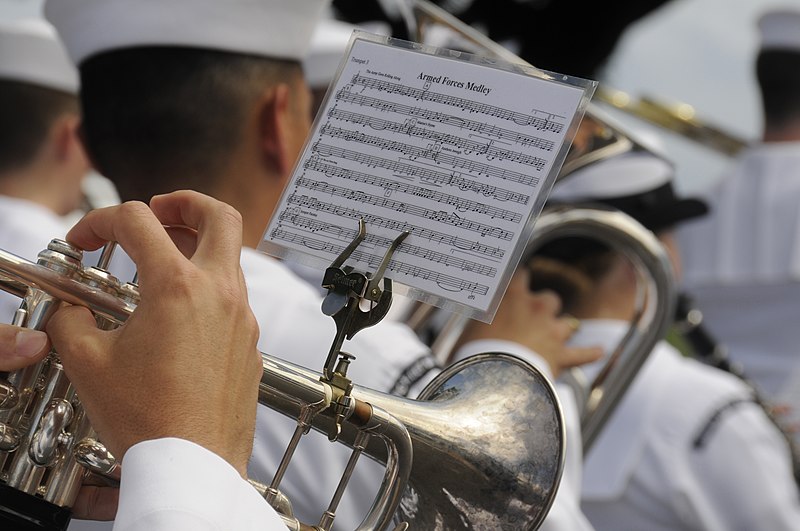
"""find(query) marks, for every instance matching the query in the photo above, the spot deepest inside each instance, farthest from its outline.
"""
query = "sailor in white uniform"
(128, 52)
(41, 160)
(687, 447)
(743, 262)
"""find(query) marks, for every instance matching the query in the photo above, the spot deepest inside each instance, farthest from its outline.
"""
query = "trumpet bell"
(489, 446)
(488, 440)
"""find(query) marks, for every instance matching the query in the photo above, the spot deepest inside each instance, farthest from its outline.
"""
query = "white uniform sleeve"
(745, 474)
(176, 485)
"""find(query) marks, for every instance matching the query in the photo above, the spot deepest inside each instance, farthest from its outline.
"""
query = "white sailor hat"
(30, 52)
(328, 45)
(272, 28)
(780, 30)
(638, 183)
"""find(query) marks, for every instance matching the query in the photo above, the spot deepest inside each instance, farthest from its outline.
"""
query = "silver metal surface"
(48, 437)
(47, 418)
(488, 443)
(94, 456)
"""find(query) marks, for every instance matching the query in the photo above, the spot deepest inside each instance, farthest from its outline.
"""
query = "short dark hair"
(778, 73)
(27, 112)
(155, 116)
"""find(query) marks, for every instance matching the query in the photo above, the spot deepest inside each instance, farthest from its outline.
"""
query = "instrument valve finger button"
(93, 455)
(43, 449)
(129, 292)
(101, 279)
(9, 438)
(9, 396)
(65, 248)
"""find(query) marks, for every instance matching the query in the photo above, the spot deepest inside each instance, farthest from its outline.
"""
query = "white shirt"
(565, 513)
(176, 485)
(25, 230)
(742, 268)
(686, 449)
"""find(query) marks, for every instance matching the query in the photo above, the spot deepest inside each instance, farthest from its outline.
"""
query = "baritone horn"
(680, 118)
(485, 449)
(655, 303)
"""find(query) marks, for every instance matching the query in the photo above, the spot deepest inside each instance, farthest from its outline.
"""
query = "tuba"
(484, 448)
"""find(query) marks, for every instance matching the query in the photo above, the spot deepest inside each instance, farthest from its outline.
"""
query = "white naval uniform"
(742, 268)
(686, 449)
(565, 513)
(175, 485)
(25, 229)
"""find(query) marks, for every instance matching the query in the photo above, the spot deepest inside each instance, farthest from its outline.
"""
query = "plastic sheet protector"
(459, 151)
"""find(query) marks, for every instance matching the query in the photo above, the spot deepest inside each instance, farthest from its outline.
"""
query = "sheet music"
(455, 152)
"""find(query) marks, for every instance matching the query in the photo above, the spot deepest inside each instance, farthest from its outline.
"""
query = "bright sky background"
(694, 51)
(10, 9)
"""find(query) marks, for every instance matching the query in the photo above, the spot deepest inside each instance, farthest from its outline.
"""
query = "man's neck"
(31, 185)
(787, 133)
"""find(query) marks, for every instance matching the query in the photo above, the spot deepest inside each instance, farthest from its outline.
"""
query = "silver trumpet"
(484, 449)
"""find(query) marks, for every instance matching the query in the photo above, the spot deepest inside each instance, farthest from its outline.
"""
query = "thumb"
(20, 347)
(75, 337)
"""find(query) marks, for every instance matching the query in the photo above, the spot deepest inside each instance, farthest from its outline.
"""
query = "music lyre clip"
(346, 291)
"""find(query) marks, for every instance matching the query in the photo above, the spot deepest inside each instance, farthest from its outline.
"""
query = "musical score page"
(460, 154)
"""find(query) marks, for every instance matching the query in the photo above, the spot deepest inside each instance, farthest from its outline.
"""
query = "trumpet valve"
(9, 396)
(43, 449)
(9, 438)
(95, 457)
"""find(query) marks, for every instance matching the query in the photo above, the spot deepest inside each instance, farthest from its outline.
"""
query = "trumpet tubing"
(489, 428)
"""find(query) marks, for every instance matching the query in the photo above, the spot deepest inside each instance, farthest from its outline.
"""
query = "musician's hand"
(534, 321)
(96, 502)
(185, 364)
(20, 347)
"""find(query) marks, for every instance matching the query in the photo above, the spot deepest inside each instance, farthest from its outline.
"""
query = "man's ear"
(80, 135)
(64, 135)
(274, 128)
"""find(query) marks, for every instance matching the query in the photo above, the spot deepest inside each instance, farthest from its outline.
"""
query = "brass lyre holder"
(347, 289)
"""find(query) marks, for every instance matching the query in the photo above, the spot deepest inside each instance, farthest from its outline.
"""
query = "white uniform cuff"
(173, 484)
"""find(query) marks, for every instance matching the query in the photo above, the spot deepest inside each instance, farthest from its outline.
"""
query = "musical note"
(469, 146)
(460, 204)
(347, 235)
(449, 282)
(397, 226)
(416, 152)
(440, 216)
(461, 103)
(424, 174)
(482, 128)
